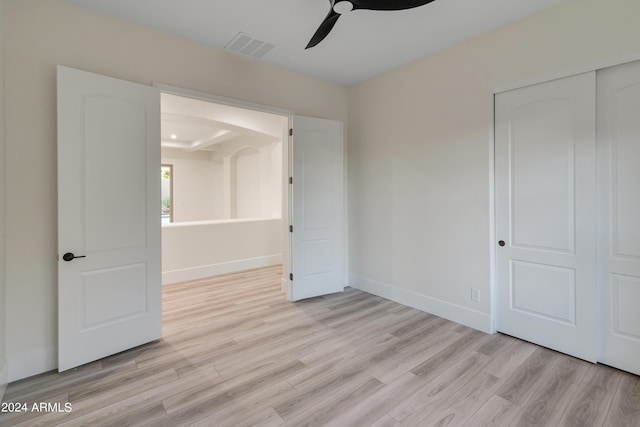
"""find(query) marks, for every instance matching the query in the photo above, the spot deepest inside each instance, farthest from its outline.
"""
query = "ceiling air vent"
(247, 45)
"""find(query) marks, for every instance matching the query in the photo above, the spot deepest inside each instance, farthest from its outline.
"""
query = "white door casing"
(545, 175)
(317, 261)
(108, 211)
(619, 215)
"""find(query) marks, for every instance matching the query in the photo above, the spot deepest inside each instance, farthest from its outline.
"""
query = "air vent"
(247, 45)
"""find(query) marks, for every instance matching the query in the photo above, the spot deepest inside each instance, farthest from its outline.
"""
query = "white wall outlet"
(475, 294)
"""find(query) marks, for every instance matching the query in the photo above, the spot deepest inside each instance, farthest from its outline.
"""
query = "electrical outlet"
(475, 294)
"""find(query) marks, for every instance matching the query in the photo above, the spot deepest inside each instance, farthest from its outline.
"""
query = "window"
(167, 193)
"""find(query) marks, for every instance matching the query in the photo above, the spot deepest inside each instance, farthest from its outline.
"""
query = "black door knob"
(69, 256)
(501, 243)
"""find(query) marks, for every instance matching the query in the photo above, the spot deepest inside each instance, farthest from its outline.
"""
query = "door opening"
(227, 176)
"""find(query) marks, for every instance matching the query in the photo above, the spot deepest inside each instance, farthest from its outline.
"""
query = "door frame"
(286, 160)
(493, 237)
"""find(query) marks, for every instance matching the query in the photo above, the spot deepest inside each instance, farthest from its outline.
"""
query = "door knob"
(69, 256)
(501, 243)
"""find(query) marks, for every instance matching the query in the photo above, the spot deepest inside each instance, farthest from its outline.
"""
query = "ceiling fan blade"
(388, 4)
(324, 29)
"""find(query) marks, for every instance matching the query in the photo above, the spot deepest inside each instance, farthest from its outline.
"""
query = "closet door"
(619, 200)
(545, 170)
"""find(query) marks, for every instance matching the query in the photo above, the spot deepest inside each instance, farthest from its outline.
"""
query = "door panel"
(545, 213)
(113, 294)
(541, 154)
(108, 194)
(619, 201)
(543, 290)
(317, 208)
(114, 165)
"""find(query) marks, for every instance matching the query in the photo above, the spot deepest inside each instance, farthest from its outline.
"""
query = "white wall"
(198, 185)
(196, 250)
(247, 183)
(199, 182)
(192, 251)
(3, 352)
(273, 199)
(419, 153)
(40, 35)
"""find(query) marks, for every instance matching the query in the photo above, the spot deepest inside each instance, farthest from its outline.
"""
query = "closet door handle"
(501, 243)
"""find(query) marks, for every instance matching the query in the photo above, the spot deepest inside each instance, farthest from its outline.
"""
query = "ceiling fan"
(339, 7)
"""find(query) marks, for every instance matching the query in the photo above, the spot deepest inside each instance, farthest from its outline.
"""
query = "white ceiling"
(362, 45)
(195, 125)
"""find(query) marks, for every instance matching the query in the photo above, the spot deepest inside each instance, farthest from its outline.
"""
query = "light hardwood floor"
(236, 353)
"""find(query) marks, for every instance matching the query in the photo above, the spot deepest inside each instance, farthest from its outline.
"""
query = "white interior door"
(545, 169)
(109, 296)
(619, 200)
(317, 264)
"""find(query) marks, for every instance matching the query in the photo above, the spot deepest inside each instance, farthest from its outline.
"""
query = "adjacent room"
(338, 213)
(222, 183)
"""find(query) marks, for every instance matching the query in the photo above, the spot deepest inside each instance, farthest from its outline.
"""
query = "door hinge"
(290, 276)
(290, 180)
(290, 132)
(291, 229)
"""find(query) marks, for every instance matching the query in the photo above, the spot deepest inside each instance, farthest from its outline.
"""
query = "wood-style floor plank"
(521, 385)
(495, 412)
(437, 394)
(593, 400)
(236, 353)
(547, 404)
(625, 408)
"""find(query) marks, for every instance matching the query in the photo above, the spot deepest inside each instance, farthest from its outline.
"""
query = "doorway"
(227, 175)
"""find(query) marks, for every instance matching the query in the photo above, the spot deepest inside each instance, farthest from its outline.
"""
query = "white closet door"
(545, 169)
(619, 193)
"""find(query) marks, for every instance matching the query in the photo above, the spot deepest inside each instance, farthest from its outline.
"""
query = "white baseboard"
(221, 268)
(456, 313)
(4, 378)
(32, 363)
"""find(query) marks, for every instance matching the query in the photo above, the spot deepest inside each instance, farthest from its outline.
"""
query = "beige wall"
(3, 352)
(419, 152)
(40, 35)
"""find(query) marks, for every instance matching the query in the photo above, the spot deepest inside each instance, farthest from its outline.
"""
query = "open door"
(109, 262)
(317, 261)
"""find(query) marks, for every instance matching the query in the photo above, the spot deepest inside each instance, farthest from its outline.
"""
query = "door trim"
(219, 99)
(567, 72)
(493, 285)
